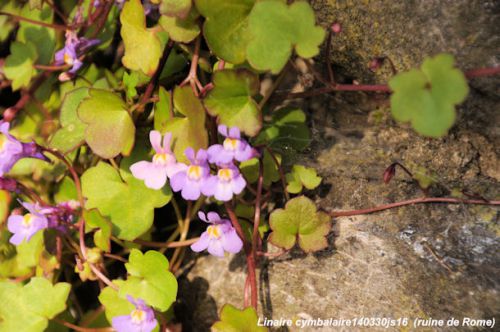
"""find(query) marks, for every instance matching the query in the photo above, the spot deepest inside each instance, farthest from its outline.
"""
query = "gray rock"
(433, 260)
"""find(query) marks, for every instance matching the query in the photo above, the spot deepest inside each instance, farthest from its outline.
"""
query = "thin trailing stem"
(252, 279)
(256, 218)
(25, 19)
(174, 244)
(192, 77)
(447, 200)
(81, 329)
(275, 85)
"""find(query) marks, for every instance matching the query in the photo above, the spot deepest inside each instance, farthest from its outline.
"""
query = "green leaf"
(30, 307)
(250, 169)
(162, 110)
(231, 100)
(277, 29)
(72, 133)
(182, 30)
(19, 64)
(5, 200)
(299, 220)
(302, 176)
(188, 128)
(142, 47)
(234, 320)
(150, 279)
(177, 8)
(35, 4)
(103, 187)
(130, 81)
(226, 27)
(114, 304)
(102, 236)
(287, 131)
(110, 128)
(427, 97)
(43, 38)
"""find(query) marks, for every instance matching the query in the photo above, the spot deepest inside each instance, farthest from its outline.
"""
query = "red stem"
(44, 24)
(479, 72)
(448, 200)
(252, 279)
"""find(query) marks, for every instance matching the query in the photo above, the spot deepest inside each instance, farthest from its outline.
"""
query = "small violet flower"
(11, 150)
(193, 179)
(24, 227)
(141, 319)
(220, 236)
(163, 164)
(73, 49)
(233, 147)
(227, 182)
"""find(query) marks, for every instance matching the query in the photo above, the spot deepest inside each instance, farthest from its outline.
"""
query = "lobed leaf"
(276, 29)
(233, 319)
(300, 177)
(182, 30)
(226, 27)
(72, 132)
(231, 100)
(103, 187)
(142, 47)
(299, 221)
(150, 279)
(32, 305)
(110, 129)
(188, 126)
(427, 97)
(18, 65)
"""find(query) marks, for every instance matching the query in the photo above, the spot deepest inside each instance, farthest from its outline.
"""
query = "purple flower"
(233, 147)
(74, 48)
(164, 164)
(220, 236)
(11, 150)
(227, 182)
(24, 227)
(141, 319)
(193, 179)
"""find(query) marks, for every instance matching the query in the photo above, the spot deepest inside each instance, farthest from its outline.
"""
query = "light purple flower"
(192, 180)
(11, 150)
(233, 147)
(226, 183)
(220, 236)
(74, 48)
(163, 164)
(24, 227)
(141, 319)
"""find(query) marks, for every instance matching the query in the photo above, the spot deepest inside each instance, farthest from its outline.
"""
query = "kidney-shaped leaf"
(142, 47)
(129, 205)
(29, 307)
(427, 97)
(299, 220)
(110, 129)
(150, 279)
(226, 27)
(233, 319)
(231, 100)
(276, 29)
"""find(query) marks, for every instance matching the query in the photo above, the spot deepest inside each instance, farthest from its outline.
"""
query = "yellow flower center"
(162, 159)
(68, 59)
(3, 140)
(27, 220)
(225, 174)
(194, 172)
(231, 144)
(138, 316)
(213, 231)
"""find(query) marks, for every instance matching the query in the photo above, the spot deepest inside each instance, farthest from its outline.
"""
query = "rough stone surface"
(433, 260)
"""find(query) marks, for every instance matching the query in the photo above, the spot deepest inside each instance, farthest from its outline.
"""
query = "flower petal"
(232, 242)
(178, 181)
(222, 130)
(166, 142)
(215, 248)
(213, 217)
(234, 132)
(155, 139)
(202, 243)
